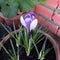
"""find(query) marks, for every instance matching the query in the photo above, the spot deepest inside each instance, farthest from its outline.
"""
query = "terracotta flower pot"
(2, 18)
(16, 21)
(10, 21)
(55, 42)
(51, 37)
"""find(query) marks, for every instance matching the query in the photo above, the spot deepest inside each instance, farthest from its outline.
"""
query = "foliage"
(23, 39)
(42, 1)
(10, 8)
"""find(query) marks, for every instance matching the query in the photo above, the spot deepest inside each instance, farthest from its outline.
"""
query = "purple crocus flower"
(29, 21)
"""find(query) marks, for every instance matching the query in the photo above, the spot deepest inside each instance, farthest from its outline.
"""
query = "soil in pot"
(3, 33)
(23, 56)
(33, 55)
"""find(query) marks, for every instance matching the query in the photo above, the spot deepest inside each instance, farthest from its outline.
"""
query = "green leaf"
(26, 5)
(5, 50)
(42, 1)
(12, 57)
(10, 9)
(14, 52)
(44, 44)
(8, 31)
(25, 39)
(41, 54)
(47, 51)
(29, 47)
(35, 46)
(34, 2)
(2, 2)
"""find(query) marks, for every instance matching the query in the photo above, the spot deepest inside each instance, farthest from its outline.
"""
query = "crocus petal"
(27, 19)
(33, 24)
(22, 21)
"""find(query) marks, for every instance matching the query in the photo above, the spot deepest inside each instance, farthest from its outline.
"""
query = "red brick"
(43, 11)
(59, 6)
(59, 2)
(53, 28)
(56, 18)
(58, 33)
(52, 3)
(40, 20)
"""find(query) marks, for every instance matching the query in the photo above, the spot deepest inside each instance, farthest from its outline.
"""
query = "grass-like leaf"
(6, 50)
(41, 54)
(47, 51)
(8, 31)
(24, 39)
(14, 52)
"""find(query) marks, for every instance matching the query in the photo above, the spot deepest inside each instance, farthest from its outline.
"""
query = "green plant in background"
(42, 1)
(10, 8)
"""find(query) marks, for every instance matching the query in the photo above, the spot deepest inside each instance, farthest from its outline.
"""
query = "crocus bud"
(29, 21)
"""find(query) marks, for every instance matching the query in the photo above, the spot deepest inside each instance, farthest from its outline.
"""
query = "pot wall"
(16, 21)
(55, 41)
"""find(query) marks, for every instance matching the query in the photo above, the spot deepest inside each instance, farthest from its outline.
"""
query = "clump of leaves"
(28, 43)
(10, 8)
